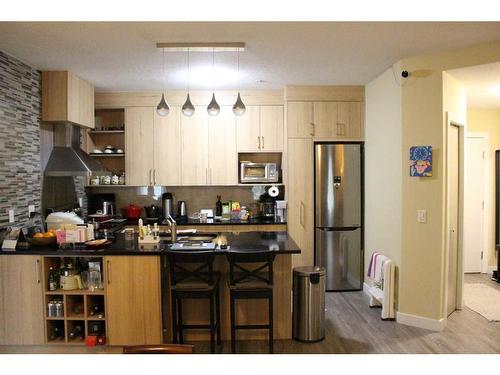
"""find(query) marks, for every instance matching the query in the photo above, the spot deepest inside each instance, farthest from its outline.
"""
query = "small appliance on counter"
(104, 203)
(167, 205)
(182, 214)
(280, 211)
(152, 214)
(267, 204)
(56, 220)
(132, 212)
(258, 172)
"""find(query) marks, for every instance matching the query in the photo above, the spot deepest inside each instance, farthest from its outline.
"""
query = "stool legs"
(212, 324)
(217, 309)
(174, 319)
(179, 319)
(233, 323)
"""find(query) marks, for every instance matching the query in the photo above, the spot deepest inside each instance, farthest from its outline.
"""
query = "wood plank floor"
(353, 327)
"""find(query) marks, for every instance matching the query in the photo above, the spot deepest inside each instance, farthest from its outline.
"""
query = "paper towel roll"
(273, 191)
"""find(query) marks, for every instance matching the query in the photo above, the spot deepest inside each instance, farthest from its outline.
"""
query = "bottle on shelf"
(76, 332)
(53, 279)
(218, 207)
(56, 334)
(96, 310)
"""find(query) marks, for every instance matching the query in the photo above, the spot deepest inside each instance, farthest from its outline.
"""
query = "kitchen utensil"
(132, 212)
(152, 212)
(167, 205)
(99, 217)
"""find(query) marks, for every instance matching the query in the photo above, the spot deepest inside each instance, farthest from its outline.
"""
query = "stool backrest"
(261, 264)
(192, 265)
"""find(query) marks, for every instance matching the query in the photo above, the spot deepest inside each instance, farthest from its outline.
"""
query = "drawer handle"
(154, 177)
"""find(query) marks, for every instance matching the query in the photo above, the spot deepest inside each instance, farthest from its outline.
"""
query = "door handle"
(258, 140)
(37, 271)
(301, 213)
(313, 125)
(210, 175)
(206, 176)
(154, 176)
(150, 178)
(108, 271)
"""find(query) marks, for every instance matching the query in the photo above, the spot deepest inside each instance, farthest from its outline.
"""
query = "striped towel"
(376, 268)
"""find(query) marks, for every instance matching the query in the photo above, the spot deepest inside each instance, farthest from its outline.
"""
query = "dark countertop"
(280, 242)
(254, 221)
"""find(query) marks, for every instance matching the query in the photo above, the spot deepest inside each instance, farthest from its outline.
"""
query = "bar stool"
(251, 283)
(192, 277)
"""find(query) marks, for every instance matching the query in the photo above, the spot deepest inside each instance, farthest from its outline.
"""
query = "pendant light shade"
(239, 107)
(163, 109)
(213, 108)
(188, 107)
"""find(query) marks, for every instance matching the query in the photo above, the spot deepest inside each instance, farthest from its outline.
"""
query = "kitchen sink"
(189, 237)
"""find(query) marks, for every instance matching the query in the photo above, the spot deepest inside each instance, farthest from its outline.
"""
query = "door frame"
(452, 120)
(486, 195)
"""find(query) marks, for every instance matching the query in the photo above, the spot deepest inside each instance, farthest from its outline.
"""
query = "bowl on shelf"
(119, 151)
(97, 151)
(42, 241)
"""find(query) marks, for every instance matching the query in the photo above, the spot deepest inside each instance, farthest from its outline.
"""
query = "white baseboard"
(421, 322)
(365, 289)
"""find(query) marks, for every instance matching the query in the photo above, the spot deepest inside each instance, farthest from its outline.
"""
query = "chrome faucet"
(172, 225)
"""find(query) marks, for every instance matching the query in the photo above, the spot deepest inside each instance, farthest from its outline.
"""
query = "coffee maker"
(167, 205)
(267, 204)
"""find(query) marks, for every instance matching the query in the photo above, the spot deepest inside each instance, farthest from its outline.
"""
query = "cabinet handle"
(108, 272)
(302, 209)
(150, 178)
(313, 126)
(206, 176)
(341, 129)
(154, 176)
(210, 176)
(37, 271)
(263, 142)
(258, 139)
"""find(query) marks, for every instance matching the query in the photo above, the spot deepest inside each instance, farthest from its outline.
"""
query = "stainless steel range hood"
(67, 158)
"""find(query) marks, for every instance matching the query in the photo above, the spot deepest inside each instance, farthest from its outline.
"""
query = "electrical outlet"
(11, 216)
(421, 216)
(31, 208)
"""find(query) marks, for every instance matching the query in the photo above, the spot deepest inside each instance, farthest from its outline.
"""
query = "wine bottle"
(218, 207)
(77, 331)
(53, 284)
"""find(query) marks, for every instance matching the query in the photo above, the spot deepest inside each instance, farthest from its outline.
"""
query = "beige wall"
(487, 121)
(424, 102)
(383, 160)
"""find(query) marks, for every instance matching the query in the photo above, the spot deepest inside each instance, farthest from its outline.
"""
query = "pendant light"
(163, 109)
(239, 107)
(188, 108)
(213, 108)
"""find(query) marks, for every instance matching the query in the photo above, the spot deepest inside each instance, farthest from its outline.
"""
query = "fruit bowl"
(42, 241)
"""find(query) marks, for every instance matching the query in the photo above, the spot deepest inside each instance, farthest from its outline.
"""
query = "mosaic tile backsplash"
(19, 139)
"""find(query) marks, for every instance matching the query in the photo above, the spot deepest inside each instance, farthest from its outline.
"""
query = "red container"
(132, 212)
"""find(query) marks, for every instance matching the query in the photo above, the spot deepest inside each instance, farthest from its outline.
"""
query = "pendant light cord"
(189, 75)
(213, 68)
(163, 72)
(239, 83)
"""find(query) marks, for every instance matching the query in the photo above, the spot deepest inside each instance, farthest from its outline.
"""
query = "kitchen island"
(135, 288)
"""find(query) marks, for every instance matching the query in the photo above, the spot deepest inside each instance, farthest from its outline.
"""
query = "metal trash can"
(309, 303)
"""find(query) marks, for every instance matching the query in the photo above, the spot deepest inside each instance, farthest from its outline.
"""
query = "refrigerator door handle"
(338, 229)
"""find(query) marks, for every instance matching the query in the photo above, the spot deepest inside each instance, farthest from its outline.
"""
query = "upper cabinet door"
(167, 148)
(349, 120)
(194, 154)
(300, 120)
(325, 119)
(271, 128)
(223, 157)
(248, 129)
(139, 144)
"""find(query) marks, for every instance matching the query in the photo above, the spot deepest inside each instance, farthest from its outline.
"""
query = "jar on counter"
(121, 178)
(114, 179)
(94, 180)
(106, 180)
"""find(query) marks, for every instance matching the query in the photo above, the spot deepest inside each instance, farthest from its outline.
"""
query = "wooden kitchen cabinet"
(222, 155)
(167, 148)
(260, 129)
(139, 145)
(67, 98)
(300, 217)
(194, 148)
(133, 300)
(21, 303)
(300, 120)
(349, 121)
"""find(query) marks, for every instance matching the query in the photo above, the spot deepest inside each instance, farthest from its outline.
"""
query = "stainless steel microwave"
(258, 172)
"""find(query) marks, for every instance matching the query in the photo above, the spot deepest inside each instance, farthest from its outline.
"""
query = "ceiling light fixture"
(239, 107)
(213, 108)
(188, 108)
(163, 109)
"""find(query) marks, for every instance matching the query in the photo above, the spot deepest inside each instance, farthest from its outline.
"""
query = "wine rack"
(79, 313)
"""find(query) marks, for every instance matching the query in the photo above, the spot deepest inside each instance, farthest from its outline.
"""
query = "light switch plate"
(11, 216)
(421, 216)
(31, 208)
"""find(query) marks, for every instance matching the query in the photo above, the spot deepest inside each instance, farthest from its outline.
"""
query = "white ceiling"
(483, 85)
(123, 56)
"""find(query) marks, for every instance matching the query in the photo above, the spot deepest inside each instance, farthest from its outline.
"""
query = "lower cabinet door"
(21, 300)
(133, 300)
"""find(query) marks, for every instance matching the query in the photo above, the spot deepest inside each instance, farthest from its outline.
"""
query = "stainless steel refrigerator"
(338, 214)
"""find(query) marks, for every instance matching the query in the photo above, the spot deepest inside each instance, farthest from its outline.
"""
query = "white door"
(453, 212)
(474, 205)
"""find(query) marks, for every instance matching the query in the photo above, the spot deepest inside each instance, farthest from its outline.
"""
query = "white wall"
(383, 158)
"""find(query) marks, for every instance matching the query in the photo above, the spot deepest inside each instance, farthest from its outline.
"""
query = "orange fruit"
(38, 235)
(50, 234)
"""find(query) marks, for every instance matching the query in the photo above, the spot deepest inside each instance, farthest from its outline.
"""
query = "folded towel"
(376, 268)
(371, 267)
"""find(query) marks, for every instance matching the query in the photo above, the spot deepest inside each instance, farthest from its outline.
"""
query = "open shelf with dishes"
(106, 142)
(74, 298)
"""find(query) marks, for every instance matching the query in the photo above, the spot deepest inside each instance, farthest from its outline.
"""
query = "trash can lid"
(309, 270)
